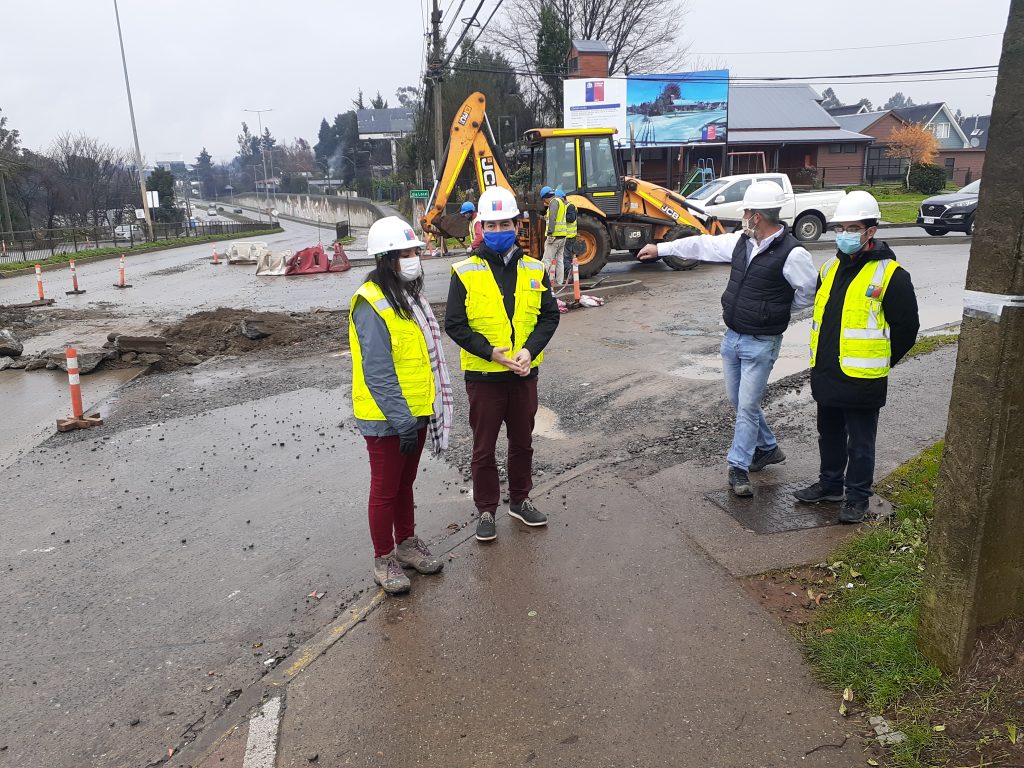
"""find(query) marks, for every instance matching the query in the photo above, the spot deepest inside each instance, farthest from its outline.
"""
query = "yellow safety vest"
(864, 346)
(560, 224)
(571, 227)
(409, 351)
(485, 308)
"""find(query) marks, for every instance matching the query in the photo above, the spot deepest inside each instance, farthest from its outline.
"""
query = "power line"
(496, 7)
(455, 17)
(830, 50)
(988, 70)
(469, 23)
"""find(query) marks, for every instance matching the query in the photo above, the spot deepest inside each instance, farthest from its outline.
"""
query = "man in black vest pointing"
(772, 276)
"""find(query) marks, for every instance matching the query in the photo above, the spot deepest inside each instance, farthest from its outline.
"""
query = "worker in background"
(571, 230)
(400, 393)
(468, 211)
(772, 276)
(555, 231)
(501, 312)
(865, 321)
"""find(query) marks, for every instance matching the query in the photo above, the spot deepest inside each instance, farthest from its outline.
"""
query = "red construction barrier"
(39, 282)
(216, 257)
(576, 279)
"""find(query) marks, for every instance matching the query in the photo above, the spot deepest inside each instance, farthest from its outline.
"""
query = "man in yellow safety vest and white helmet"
(865, 320)
(501, 312)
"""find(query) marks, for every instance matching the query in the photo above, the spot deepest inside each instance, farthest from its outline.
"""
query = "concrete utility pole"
(974, 575)
(434, 71)
(135, 132)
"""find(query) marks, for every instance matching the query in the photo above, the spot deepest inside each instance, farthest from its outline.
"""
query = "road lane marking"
(261, 747)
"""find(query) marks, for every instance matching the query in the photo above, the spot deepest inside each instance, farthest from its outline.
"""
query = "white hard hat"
(391, 234)
(856, 206)
(496, 204)
(763, 196)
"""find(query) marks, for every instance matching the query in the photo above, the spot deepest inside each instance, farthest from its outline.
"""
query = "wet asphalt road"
(128, 573)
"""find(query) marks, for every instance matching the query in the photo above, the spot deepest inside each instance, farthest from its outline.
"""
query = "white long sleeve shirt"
(798, 270)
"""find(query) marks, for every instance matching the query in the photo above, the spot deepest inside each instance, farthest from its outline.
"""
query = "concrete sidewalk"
(617, 636)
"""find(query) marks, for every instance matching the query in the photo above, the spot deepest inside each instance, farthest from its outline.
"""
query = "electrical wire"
(831, 50)
(988, 70)
(496, 7)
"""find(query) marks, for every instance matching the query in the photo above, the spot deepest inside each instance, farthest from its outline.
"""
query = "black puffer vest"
(758, 299)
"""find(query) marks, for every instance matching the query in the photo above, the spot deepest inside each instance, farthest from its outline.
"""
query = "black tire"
(935, 232)
(808, 228)
(593, 236)
(675, 262)
(970, 226)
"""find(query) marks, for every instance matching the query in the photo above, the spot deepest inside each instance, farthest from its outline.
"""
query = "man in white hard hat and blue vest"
(865, 321)
(772, 276)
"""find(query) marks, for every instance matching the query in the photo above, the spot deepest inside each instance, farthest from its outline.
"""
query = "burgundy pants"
(391, 477)
(491, 404)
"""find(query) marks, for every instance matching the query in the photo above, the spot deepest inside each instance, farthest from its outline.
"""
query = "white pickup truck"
(806, 214)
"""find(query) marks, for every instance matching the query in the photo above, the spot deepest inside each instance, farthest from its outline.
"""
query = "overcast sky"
(194, 66)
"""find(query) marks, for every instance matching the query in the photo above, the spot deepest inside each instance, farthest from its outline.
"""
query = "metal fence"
(37, 244)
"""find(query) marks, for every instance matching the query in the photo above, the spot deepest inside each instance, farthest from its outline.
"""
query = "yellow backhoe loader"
(614, 211)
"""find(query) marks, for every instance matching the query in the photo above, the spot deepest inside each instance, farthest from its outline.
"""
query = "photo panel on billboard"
(681, 108)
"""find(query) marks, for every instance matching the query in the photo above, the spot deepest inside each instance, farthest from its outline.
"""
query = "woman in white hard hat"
(400, 392)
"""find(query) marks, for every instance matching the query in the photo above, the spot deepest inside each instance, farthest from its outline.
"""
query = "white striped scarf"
(441, 422)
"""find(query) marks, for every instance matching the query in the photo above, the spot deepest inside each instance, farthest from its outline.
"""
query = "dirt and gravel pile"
(227, 331)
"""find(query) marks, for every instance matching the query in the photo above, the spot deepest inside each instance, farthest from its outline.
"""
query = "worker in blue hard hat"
(554, 242)
(571, 230)
(468, 210)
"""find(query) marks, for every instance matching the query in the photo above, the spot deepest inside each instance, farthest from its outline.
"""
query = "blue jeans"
(747, 362)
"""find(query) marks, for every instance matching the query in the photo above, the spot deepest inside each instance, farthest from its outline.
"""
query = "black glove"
(408, 442)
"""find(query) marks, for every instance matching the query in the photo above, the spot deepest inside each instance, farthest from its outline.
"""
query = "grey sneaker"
(485, 530)
(413, 553)
(853, 512)
(812, 494)
(525, 512)
(763, 458)
(739, 482)
(387, 572)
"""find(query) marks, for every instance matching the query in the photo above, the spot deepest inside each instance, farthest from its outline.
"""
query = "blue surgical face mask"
(500, 241)
(848, 242)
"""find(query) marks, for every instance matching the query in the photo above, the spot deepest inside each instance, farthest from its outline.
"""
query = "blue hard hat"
(467, 207)
(546, 192)
(559, 193)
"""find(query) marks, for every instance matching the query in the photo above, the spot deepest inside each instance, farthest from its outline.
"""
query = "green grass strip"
(864, 638)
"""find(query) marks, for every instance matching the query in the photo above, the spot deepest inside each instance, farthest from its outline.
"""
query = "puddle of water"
(34, 401)
(546, 425)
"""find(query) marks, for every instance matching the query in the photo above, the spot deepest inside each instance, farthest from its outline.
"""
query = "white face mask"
(748, 228)
(409, 269)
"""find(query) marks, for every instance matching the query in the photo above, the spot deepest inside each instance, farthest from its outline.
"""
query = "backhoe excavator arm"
(470, 139)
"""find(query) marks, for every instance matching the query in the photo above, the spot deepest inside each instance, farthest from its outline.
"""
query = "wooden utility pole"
(434, 71)
(974, 576)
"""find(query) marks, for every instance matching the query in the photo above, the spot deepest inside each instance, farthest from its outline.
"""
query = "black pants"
(846, 442)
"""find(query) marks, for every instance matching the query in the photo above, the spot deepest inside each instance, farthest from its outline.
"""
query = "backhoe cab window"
(560, 164)
(599, 162)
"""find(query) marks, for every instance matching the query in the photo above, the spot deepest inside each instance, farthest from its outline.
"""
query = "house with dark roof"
(962, 160)
(846, 109)
(976, 129)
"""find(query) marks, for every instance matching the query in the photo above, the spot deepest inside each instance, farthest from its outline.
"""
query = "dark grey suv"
(953, 212)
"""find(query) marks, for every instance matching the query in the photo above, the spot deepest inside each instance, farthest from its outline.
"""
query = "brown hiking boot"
(388, 573)
(413, 553)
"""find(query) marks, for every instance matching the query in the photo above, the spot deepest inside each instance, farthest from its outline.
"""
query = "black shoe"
(812, 494)
(854, 512)
(763, 458)
(527, 513)
(485, 529)
(739, 482)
